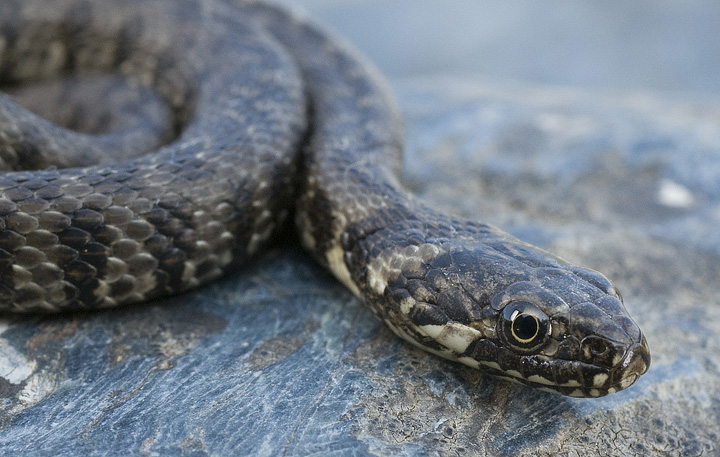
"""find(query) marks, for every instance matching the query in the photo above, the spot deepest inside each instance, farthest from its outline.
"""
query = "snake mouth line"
(586, 379)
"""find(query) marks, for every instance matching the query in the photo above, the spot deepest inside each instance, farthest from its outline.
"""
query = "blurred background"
(655, 45)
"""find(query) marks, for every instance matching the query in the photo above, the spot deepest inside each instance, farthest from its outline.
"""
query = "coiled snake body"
(252, 94)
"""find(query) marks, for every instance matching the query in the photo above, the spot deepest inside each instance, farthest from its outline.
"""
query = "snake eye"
(523, 326)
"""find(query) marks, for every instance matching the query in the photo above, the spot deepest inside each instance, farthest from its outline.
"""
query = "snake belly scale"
(262, 106)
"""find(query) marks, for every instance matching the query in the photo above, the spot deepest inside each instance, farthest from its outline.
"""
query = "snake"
(261, 118)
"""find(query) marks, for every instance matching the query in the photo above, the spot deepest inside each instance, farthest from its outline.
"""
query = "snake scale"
(263, 116)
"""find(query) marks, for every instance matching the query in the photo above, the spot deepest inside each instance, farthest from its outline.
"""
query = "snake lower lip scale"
(250, 88)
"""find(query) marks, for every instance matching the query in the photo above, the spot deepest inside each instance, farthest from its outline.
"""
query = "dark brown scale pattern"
(102, 235)
(242, 95)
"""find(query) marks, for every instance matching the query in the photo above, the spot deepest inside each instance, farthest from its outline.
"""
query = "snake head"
(566, 330)
(514, 311)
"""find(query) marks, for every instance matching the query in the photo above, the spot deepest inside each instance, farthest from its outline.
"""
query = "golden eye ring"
(523, 327)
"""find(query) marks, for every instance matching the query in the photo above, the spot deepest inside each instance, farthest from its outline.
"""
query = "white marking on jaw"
(431, 330)
(454, 336)
(574, 393)
(404, 335)
(490, 364)
(628, 381)
(514, 373)
(540, 380)
(469, 361)
(537, 379)
(599, 379)
(457, 337)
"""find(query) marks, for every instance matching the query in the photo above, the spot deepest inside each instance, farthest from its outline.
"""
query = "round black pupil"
(525, 326)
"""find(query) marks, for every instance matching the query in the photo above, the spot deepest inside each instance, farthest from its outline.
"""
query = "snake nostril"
(594, 347)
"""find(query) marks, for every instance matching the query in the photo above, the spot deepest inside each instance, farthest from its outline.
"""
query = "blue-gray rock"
(279, 359)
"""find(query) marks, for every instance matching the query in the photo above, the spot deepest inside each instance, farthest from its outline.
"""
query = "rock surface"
(279, 359)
